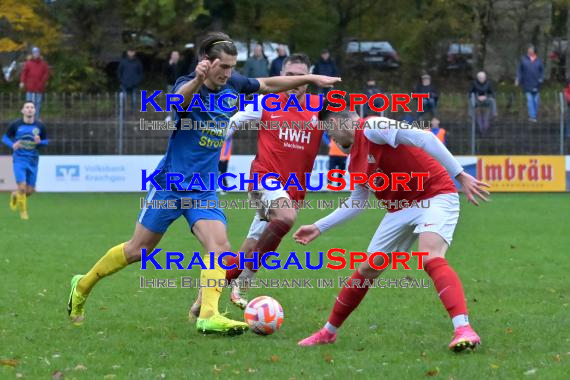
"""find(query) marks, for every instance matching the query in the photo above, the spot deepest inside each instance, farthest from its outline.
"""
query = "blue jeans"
(429, 105)
(533, 102)
(35, 97)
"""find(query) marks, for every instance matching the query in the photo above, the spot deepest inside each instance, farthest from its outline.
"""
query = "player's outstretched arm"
(248, 115)
(308, 233)
(427, 141)
(284, 83)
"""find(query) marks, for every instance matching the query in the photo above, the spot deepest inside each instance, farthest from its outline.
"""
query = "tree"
(25, 24)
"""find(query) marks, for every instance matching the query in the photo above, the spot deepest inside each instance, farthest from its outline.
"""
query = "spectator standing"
(256, 65)
(277, 63)
(34, 78)
(173, 70)
(325, 66)
(530, 75)
(130, 74)
(426, 87)
(439, 132)
(370, 90)
(567, 98)
(337, 157)
(482, 101)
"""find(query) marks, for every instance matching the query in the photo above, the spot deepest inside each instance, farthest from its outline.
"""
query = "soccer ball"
(264, 315)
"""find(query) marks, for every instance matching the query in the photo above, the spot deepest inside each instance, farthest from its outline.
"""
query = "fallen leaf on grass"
(432, 372)
(56, 375)
(251, 370)
(494, 366)
(557, 357)
(19, 375)
(530, 372)
(328, 358)
(80, 367)
(509, 330)
(9, 362)
(274, 358)
(216, 369)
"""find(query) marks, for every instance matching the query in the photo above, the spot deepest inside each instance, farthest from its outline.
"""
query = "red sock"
(448, 286)
(348, 299)
(232, 274)
(270, 239)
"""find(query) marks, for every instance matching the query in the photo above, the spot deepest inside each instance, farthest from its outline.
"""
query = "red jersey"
(289, 149)
(368, 157)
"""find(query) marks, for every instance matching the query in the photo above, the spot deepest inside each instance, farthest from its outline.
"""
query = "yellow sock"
(22, 202)
(211, 295)
(113, 261)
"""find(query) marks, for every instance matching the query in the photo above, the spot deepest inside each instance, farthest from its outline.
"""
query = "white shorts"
(260, 219)
(266, 196)
(399, 230)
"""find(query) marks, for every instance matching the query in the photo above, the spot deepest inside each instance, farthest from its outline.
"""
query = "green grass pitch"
(512, 255)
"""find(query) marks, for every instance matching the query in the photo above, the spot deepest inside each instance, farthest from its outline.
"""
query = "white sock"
(460, 321)
(246, 274)
(330, 328)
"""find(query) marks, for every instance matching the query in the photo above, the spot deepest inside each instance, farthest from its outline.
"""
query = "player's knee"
(286, 217)
(368, 271)
(133, 250)
(220, 247)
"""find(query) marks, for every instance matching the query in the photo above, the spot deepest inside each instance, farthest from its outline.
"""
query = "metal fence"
(104, 123)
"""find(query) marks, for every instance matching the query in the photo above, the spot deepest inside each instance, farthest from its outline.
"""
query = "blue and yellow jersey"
(24, 132)
(198, 150)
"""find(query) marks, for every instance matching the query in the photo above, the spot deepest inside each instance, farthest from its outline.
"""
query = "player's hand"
(17, 145)
(324, 81)
(37, 139)
(202, 69)
(306, 234)
(473, 188)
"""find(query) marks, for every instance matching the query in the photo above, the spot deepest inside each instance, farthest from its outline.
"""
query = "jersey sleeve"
(43, 135)
(382, 131)
(183, 80)
(245, 85)
(248, 114)
(343, 214)
(9, 136)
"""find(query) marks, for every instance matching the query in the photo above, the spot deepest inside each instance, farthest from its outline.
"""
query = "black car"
(379, 54)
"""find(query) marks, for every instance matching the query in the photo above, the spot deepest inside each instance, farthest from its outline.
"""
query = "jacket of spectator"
(35, 75)
(370, 91)
(326, 67)
(256, 67)
(175, 70)
(429, 89)
(130, 72)
(482, 89)
(530, 73)
(276, 66)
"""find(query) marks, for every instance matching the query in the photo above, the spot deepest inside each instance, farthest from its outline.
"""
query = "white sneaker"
(238, 293)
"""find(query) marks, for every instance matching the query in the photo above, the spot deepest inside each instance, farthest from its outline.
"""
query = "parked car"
(378, 54)
(269, 49)
(459, 56)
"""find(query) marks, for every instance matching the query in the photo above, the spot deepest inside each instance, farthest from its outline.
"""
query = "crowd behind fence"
(90, 124)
